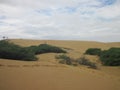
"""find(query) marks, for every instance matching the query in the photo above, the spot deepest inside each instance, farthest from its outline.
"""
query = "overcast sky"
(96, 20)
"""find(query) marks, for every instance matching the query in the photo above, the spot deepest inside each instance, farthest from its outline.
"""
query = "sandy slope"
(47, 74)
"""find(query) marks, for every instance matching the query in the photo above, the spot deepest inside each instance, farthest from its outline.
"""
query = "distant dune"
(48, 74)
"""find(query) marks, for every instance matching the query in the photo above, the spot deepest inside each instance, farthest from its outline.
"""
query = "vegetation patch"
(64, 59)
(45, 48)
(84, 61)
(11, 51)
(110, 57)
(93, 51)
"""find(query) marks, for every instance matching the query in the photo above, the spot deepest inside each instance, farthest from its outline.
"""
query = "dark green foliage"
(84, 61)
(111, 57)
(33, 49)
(12, 51)
(64, 59)
(93, 51)
(45, 48)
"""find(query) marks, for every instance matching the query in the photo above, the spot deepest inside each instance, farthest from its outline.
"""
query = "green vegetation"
(93, 51)
(109, 57)
(11, 51)
(64, 59)
(84, 61)
(45, 48)
(81, 61)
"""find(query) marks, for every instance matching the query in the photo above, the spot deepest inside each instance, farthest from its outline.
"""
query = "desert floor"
(48, 74)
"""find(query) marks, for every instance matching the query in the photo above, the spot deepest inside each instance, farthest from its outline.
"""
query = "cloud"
(60, 19)
(107, 2)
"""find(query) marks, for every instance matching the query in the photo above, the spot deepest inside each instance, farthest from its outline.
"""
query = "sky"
(90, 20)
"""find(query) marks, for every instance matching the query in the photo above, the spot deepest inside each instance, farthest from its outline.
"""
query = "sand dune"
(48, 74)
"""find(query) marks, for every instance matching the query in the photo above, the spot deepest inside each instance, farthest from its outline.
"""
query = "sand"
(48, 74)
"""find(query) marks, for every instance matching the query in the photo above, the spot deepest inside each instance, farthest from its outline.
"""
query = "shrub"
(45, 48)
(12, 51)
(84, 61)
(33, 49)
(111, 57)
(64, 59)
(93, 51)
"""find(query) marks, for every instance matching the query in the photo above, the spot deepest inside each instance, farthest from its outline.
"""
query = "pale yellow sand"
(48, 74)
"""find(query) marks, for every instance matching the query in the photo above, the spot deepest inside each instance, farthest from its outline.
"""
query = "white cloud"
(112, 11)
(60, 19)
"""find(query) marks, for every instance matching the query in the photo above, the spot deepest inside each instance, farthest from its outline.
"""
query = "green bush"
(45, 48)
(12, 51)
(111, 57)
(93, 51)
(84, 61)
(64, 59)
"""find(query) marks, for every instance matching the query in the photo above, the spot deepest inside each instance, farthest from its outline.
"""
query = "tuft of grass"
(84, 61)
(64, 59)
